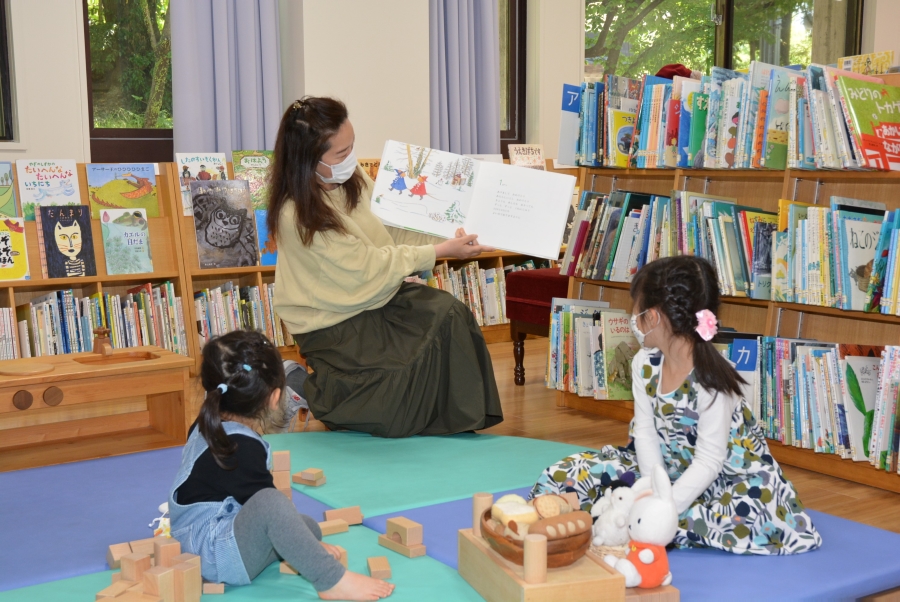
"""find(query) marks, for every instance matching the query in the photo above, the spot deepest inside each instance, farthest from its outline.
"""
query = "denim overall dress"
(207, 528)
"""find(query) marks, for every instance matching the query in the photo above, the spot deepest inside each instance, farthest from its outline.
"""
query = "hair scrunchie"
(223, 388)
(707, 324)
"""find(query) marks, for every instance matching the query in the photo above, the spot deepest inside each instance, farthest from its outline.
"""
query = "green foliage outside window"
(131, 76)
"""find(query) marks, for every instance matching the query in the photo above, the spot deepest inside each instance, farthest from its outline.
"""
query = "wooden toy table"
(91, 406)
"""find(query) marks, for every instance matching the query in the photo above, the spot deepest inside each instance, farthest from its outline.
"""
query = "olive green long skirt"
(417, 366)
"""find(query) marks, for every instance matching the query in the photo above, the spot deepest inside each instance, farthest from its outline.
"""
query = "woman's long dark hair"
(303, 138)
(679, 287)
(248, 391)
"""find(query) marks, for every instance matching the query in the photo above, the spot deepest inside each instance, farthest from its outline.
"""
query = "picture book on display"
(126, 241)
(436, 192)
(66, 243)
(268, 252)
(253, 166)
(224, 224)
(527, 155)
(370, 166)
(873, 63)
(198, 167)
(45, 183)
(13, 251)
(874, 112)
(7, 191)
(122, 186)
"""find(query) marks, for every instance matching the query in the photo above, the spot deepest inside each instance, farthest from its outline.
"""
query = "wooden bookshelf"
(110, 422)
(762, 189)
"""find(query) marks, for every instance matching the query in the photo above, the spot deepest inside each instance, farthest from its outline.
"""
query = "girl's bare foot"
(354, 586)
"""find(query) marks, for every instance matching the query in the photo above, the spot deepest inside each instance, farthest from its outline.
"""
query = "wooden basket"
(560, 552)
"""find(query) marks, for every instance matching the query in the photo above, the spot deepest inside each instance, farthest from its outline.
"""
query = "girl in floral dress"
(690, 416)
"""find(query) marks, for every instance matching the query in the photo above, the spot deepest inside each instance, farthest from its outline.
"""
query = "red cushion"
(528, 294)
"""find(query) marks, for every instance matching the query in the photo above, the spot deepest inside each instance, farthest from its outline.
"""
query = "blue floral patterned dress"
(750, 508)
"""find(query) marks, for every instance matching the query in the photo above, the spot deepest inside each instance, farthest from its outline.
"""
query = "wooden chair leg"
(519, 356)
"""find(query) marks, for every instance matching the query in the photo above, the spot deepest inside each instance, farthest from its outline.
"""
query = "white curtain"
(464, 39)
(226, 75)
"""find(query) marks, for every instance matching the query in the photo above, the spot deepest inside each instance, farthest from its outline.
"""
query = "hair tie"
(297, 104)
(223, 388)
(707, 324)
(247, 368)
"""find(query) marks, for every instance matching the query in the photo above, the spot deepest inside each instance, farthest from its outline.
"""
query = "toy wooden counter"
(78, 406)
(497, 579)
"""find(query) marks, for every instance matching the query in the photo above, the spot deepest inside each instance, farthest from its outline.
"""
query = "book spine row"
(225, 308)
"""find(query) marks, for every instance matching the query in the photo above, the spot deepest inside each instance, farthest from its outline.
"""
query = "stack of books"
(229, 307)
(818, 117)
(59, 322)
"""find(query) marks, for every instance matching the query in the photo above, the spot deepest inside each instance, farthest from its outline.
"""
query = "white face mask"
(341, 172)
(637, 331)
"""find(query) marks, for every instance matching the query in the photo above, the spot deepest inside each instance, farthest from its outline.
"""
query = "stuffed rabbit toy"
(652, 524)
(611, 512)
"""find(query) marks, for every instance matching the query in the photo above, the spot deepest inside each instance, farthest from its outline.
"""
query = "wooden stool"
(528, 296)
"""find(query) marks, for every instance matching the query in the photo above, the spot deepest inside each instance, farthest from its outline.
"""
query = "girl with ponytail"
(223, 505)
(691, 418)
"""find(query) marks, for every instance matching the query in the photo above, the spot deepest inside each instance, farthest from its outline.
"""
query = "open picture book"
(511, 208)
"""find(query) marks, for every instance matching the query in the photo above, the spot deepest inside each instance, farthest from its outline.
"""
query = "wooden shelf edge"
(67, 283)
(84, 448)
(807, 459)
(837, 313)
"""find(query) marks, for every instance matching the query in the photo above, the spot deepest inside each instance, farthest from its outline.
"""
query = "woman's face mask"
(341, 172)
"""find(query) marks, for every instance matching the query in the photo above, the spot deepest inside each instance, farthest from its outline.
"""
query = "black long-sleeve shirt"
(210, 483)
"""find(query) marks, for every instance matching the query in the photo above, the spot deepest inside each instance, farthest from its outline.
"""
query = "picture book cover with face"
(126, 241)
(45, 183)
(7, 191)
(122, 186)
(67, 248)
(253, 166)
(13, 253)
(198, 167)
(224, 224)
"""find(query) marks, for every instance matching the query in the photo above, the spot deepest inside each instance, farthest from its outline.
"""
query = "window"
(512, 73)
(7, 123)
(130, 79)
(634, 37)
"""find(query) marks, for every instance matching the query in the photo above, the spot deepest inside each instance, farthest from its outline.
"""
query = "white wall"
(881, 21)
(371, 55)
(554, 56)
(48, 60)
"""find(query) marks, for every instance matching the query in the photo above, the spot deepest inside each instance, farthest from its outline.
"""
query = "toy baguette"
(562, 525)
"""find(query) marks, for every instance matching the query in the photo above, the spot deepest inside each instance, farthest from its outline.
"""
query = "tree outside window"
(130, 63)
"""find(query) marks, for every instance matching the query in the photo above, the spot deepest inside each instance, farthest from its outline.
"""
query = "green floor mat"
(392, 475)
(416, 579)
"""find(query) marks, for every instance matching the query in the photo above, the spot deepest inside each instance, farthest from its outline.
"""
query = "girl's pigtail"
(210, 424)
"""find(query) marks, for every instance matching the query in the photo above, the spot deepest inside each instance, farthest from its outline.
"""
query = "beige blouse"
(341, 275)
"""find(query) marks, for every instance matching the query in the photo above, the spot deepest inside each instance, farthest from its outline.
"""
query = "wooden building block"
(666, 593)
(136, 596)
(160, 581)
(142, 546)
(281, 461)
(287, 569)
(288, 492)
(186, 558)
(298, 479)
(188, 581)
(115, 553)
(134, 565)
(282, 479)
(408, 551)
(213, 588)
(116, 577)
(498, 580)
(343, 559)
(351, 515)
(404, 531)
(312, 474)
(116, 589)
(165, 549)
(330, 527)
(137, 587)
(379, 567)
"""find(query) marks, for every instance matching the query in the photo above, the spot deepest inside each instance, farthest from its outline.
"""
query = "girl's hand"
(463, 246)
(332, 550)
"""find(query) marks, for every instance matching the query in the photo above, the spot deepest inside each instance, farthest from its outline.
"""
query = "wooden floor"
(530, 411)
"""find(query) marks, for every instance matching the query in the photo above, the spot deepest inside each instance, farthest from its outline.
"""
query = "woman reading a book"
(389, 358)
(690, 417)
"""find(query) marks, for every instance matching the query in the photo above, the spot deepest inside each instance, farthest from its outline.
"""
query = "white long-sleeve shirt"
(713, 432)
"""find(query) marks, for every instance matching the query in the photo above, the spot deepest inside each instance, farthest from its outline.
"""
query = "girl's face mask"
(637, 331)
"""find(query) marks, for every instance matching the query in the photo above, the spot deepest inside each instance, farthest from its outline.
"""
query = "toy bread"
(563, 525)
(523, 514)
(511, 497)
(551, 505)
